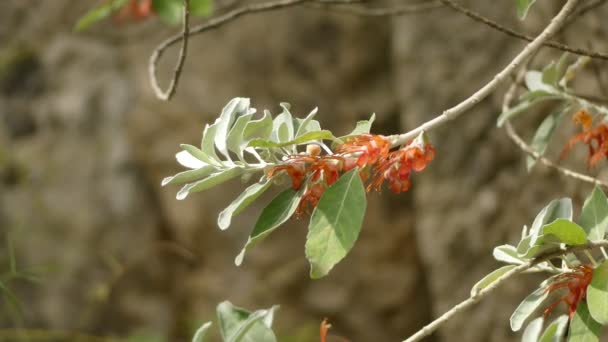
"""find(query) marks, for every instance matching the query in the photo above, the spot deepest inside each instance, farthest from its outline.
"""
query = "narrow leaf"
(363, 126)
(99, 13)
(335, 223)
(594, 216)
(189, 176)
(490, 278)
(235, 108)
(279, 210)
(523, 6)
(597, 294)
(282, 126)
(245, 199)
(533, 330)
(198, 154)
(208, 142)
(556, 209)
(556, 330)
(261, 128)
(508, 254)
(527, 307)
(199, 336)
(234, 141)
(240, 325)
(209, 182)
(543, 135)
(566, 231)
(304, 138)
(304, 124)
(583, 328)
(520, 108)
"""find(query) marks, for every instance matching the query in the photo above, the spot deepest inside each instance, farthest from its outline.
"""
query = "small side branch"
(454, 112)
(469, 302)
(158, 52)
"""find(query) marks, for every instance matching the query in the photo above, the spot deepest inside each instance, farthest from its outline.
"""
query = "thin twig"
(167, 95)
(211, 24)
(506, 30)
(487, 89)
(469, 302)
(379, 12)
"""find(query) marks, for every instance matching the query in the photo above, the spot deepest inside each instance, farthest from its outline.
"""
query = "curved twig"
(157, 53)
(469, 302)
(508, 31)
(380, 12)
(487, 89)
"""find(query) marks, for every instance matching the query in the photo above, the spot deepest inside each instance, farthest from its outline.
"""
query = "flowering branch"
(454, 112)
(469, 302)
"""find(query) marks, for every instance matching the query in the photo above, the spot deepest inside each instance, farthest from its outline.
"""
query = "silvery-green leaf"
(490, 278)
(543, 135)
(189, 176)
(208, 141)
(304, 125)
(209, 182)
(523, 6)
(234, 142)
(240, 325)
(199, 335)
(363, 126)
(556, 330)
(583, 328)
(261, 128)
(594, 216)
(508, 254)
(282, 126)
(527, 307)
(597, 294)
(196, 153)
(556, 209)
(520, 108)
(534, 82)
(240, 203)
(533, 330)
(235, 108)
(186, 159)
(566, 232)
(304, 138)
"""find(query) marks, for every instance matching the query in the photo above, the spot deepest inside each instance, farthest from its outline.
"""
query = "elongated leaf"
(597, 294)
(582, 327)
(209, 182)
(533, 330)
(234, 141)
(543, 135)
(198, 154)
(261, 128)
(335, 223)
(238, 324)
(527, 307)
(208, 142)
(556, 330)
(235, 108)
(566, 231)
(594, 216)
(99, 13)
(490, 278)
(534, 82)
(199, 335)
(245, 199)
(363, 126)
(189, 176)
(520, 108)
(304, 138)
(523, 6)
(278, 211)
(508, 254)
(556, 209)
(282, 126)
(306, 125)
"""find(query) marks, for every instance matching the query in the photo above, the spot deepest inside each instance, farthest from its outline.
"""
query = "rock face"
(84, 145)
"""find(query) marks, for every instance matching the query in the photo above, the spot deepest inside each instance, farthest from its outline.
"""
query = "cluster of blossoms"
(370, 153)
(596, 138)
(576, 281)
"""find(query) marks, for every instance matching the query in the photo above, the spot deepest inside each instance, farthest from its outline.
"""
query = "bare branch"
(469, 302)
(487, 89)
(506, 30)
(379, 12)
(167, 95)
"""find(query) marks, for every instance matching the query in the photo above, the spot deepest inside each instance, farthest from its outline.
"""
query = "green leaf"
(533, 330)
(235, 108)
(597, 294)
(189, 176)
(282, 126)
(198, 154)
(209, 182)
(583, 328)
(527, 307)
(261, 128)
(304, 138)
(99, 13)
(556, 209)
(234, 141)
(566, 231)
(543, 135)
(308, 124)
(199, 335)
(363, 126)
(208, 142)
(243, 201)
(535, 82)
(278, 211)
(201, 8)
(508, 254)
(170, 11)
(240, 325)
(520, 108)
(551, 75)
(523, 6)
(490, 278)
(594, 216)
(335, 223)
(538, 94)
(556, 330)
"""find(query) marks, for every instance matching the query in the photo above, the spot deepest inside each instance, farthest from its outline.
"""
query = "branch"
(433, 326)
(158, 52)
(506, 30)
(487, 89)
(379, 12)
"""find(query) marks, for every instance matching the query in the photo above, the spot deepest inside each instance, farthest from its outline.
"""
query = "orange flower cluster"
(576, 281)
(596, 138)
(136, 9)
(371, 153)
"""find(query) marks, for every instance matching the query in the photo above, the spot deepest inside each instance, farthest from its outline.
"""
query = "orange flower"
(576, 281)
(136, 9)
(396, 169)
(596, 138)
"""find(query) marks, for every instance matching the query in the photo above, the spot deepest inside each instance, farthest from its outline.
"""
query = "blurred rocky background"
(84, 145)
